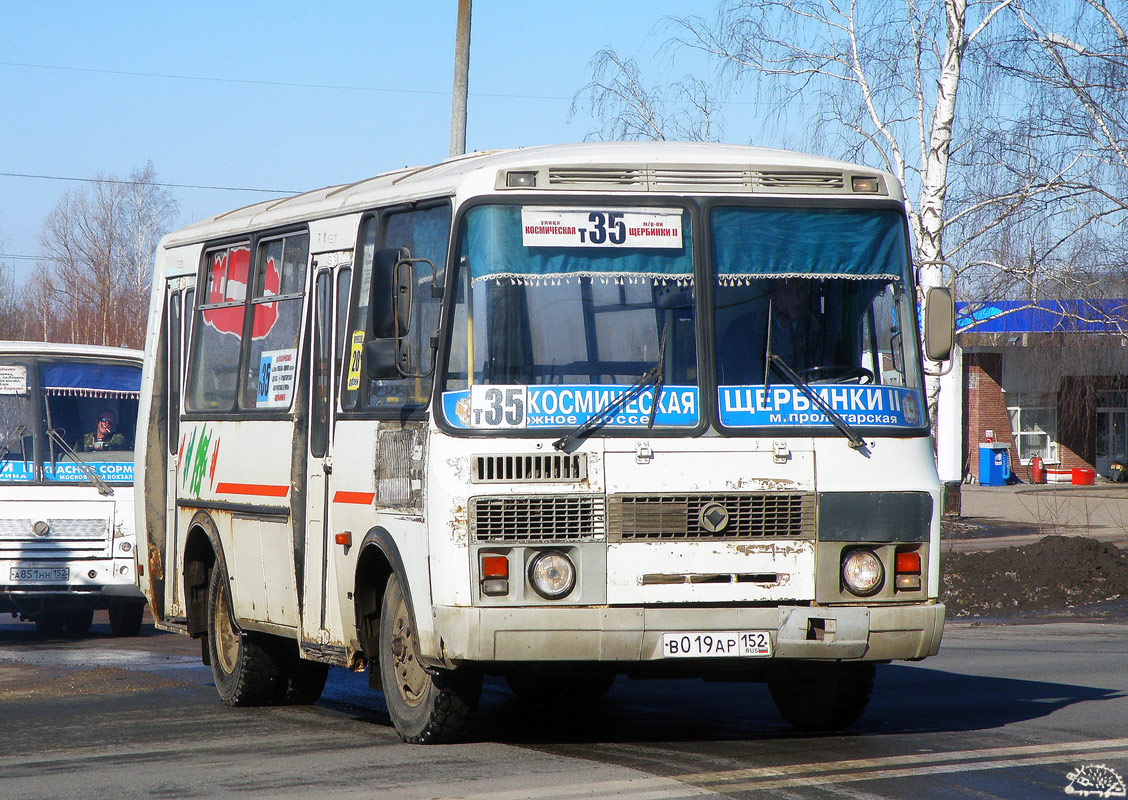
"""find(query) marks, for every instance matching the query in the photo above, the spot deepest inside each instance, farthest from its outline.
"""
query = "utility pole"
(461, 80)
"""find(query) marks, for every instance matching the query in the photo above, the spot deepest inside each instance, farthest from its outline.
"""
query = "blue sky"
(287, 96)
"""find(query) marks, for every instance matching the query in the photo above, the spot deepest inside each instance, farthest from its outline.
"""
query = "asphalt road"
(1005, 711)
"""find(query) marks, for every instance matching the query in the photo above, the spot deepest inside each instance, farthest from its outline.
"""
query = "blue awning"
(90, 380)
(753, 242)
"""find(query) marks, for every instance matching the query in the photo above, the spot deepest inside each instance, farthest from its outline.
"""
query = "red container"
(1084, 477)
(1037, 471)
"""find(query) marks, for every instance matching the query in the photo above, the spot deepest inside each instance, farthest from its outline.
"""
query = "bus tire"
(426, 706)
(300, 681)
(821, 695)
(243, 666)
(49, 623)
(79, 621)
(125, 618)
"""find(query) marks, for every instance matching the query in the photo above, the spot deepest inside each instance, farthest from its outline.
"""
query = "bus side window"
(425, 231)
(214, 367)
(174, 371)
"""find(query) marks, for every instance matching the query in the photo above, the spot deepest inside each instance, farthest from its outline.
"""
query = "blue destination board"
(786, 405)
(532, 407)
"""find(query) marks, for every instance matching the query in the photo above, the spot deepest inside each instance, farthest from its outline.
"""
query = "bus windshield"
(559, 310)
(75, 412)
(823, 291)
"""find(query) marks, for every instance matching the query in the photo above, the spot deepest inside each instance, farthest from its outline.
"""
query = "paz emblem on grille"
(714, 518)
(41, 528)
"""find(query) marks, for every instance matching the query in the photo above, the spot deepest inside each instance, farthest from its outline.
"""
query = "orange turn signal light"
(344, 539)
(495, 567)
(907, 562)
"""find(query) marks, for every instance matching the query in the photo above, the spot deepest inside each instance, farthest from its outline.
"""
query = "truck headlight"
(862, 572)
(552, 574)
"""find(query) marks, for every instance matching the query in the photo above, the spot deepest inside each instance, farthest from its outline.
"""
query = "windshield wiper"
(103, 487)
(847, 430)
(5, 446)
(654, 376)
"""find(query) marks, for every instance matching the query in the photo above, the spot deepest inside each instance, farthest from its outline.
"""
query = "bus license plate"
(39, 574)
(725, 644)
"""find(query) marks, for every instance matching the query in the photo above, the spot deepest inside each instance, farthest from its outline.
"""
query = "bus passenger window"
(214, 368)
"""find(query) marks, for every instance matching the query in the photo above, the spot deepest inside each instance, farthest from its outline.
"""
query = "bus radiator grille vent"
(696, 517)
(535, 468)
(597, 176)
(676, 178)
(22, 530)
(537, 518)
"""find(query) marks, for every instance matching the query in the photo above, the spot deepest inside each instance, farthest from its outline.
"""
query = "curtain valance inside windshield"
(90, 380)
(494, 249)
(751, 243)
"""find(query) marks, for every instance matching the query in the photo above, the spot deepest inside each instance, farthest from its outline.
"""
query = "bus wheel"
(426, 706)
(78, 622)
(821, 695)
(49, 623)
(245, 670)
(300, 682)
(125, 618)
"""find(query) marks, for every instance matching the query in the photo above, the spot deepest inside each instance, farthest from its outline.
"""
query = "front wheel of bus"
(244, 668)
(426, 706)
(821, 695)
(125, 618)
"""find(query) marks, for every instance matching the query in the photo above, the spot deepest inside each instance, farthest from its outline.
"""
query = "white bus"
(546, 414)
(68, 414)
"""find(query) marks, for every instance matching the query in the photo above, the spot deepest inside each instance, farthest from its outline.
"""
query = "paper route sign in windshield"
(485, 406)
(746, 406)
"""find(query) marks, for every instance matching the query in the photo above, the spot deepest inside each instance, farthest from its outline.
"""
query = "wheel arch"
(379, 559)
(202, 549)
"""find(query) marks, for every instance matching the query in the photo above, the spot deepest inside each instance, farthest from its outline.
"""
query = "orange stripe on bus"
(360, 498)
(256, 489)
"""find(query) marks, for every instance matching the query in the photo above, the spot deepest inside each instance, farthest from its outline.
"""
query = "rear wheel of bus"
(426, 706)
(245, 669)
(821, 695)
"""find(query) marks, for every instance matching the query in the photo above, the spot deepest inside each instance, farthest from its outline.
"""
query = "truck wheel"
(49, 623)
(125, 618)
(78, 622)
(300, 682)
(245, 670)
(821, 695)
(426, 706)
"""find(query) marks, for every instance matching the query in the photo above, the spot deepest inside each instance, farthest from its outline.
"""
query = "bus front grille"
(529, 468)
(61, 538)
(537, 518)
(697, 517)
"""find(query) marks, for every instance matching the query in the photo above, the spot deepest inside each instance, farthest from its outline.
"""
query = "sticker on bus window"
(610, 227)
(531, 407)
(786, 405)
(13, 379)
(278, 372)
(354, 361)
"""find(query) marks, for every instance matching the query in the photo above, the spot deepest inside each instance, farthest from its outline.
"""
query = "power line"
(285, 84)
(148, 183)
(23, 258)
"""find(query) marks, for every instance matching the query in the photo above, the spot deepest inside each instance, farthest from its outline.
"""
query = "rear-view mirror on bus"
(939, 323)
(387, 359)
(390, 295)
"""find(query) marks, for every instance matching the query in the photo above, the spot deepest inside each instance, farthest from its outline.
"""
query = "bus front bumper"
(631, 635)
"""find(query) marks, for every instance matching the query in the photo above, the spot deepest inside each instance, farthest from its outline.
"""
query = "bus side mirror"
(390, 293)
(387, 359)
(939, 323)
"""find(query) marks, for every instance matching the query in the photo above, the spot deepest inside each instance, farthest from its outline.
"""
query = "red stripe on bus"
(360, 498)
(256, 489)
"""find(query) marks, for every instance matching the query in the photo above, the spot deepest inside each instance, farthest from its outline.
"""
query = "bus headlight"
(552, 574)
(862, 572)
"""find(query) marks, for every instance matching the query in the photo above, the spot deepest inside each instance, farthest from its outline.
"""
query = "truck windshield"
(823, 289)
(559, 310)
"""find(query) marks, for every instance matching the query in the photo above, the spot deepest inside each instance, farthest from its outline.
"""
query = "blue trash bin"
(994, 464)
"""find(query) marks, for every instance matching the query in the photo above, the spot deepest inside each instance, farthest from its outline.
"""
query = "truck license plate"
(717, 644)
(39, 574)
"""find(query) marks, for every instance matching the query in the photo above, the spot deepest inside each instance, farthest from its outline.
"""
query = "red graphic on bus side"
(228, 280)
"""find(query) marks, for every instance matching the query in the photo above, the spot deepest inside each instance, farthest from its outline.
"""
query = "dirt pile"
(1056, 574)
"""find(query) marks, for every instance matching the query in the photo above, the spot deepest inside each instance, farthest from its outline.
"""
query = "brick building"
(1049, 379)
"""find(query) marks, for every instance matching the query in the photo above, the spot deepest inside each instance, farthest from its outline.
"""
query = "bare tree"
(100, 241)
